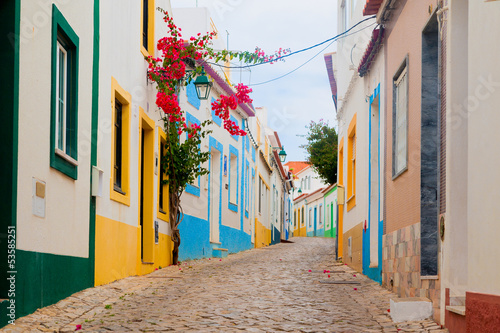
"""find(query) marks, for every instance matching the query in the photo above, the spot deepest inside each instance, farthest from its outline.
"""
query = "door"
(146, 191)
(215, 193)
(315, 220)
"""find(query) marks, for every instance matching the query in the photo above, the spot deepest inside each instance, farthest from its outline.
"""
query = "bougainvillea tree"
(179, 62)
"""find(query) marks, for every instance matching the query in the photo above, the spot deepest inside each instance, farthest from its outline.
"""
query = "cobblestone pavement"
(261, 290)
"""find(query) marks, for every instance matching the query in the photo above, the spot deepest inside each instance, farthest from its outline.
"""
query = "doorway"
(215, 193)
(146, 192)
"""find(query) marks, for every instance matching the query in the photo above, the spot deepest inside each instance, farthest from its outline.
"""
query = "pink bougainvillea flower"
(156, 269)
(310, 271)
(209, 258)
(355, 288)
(180, 269)
(220, 259)
(388, 310)
(354, 275)
(280, 259)
(78, 327)
(328, 275)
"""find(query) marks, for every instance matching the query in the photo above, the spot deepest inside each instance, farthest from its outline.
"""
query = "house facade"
(48, 151)
(470, 289)
(330, 204)
(132, 229)
(359, 75)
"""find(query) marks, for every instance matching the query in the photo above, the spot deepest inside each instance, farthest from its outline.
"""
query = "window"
(295, 218)
(118, 147)
(309, 183)
(400, 121)
(233, 178)
(147, 27)
(193, 187)
(320, 216)
(247, 188)
(310, 217)
(302, 184)
(341, 163)
(327, 216)
(351, 164)
(64, 96)
(162, 188)
(302, 222)
(260, 195)
(120, 183)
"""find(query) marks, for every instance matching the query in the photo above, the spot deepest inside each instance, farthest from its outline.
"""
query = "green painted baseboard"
(44, 279)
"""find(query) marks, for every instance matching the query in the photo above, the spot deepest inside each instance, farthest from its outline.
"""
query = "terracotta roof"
(371, 51)
(372, 7)
(297, 166)
(329, 188)
(300, 197)
(307, 195)
(331, 76)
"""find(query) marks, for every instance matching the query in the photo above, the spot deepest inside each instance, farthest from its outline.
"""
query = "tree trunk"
(175, 219)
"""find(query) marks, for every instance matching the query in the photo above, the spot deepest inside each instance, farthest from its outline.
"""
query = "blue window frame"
(190, 188)
(192, 96)
(215, 119)
(233, 179)
(236, 137)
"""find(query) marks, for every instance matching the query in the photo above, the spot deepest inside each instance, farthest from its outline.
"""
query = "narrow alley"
(287, 287)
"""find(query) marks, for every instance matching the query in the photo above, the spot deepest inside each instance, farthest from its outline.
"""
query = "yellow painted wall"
(262, 235)
(118, 254)
(340, 231)
(356, 259)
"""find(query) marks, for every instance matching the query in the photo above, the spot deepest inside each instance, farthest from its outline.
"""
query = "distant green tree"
(322, 149)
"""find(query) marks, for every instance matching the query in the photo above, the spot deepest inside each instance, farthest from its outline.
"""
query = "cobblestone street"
(277, 288)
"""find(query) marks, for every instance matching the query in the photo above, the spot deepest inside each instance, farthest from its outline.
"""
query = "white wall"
(483, 178)
(65, 228)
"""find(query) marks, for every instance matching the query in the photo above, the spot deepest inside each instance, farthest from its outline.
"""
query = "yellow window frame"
(124, 97)
(162, 215)
(351, 164)
(149, 51)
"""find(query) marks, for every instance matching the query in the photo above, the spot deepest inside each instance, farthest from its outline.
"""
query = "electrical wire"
(317, 54)
(299, 51)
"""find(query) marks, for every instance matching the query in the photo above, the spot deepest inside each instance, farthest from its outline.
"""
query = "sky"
(300, 97)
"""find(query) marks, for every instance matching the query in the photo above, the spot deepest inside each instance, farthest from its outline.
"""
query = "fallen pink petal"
(78, 327)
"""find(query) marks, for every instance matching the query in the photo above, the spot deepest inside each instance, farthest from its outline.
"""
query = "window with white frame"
(64, 96)
(400, 120)
(310, 217)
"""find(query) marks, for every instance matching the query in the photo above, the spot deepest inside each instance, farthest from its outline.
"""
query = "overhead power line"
(317, 54)
(299, 51)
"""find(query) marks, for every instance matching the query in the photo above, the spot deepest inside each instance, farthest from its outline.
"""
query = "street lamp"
(282, 155)
(203, 86)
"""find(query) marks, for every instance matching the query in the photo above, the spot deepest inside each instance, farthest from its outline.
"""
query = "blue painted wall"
(234, 240)
(195, 238)
(276, 237)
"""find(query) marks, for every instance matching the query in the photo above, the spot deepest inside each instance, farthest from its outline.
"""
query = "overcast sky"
(300, 97)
